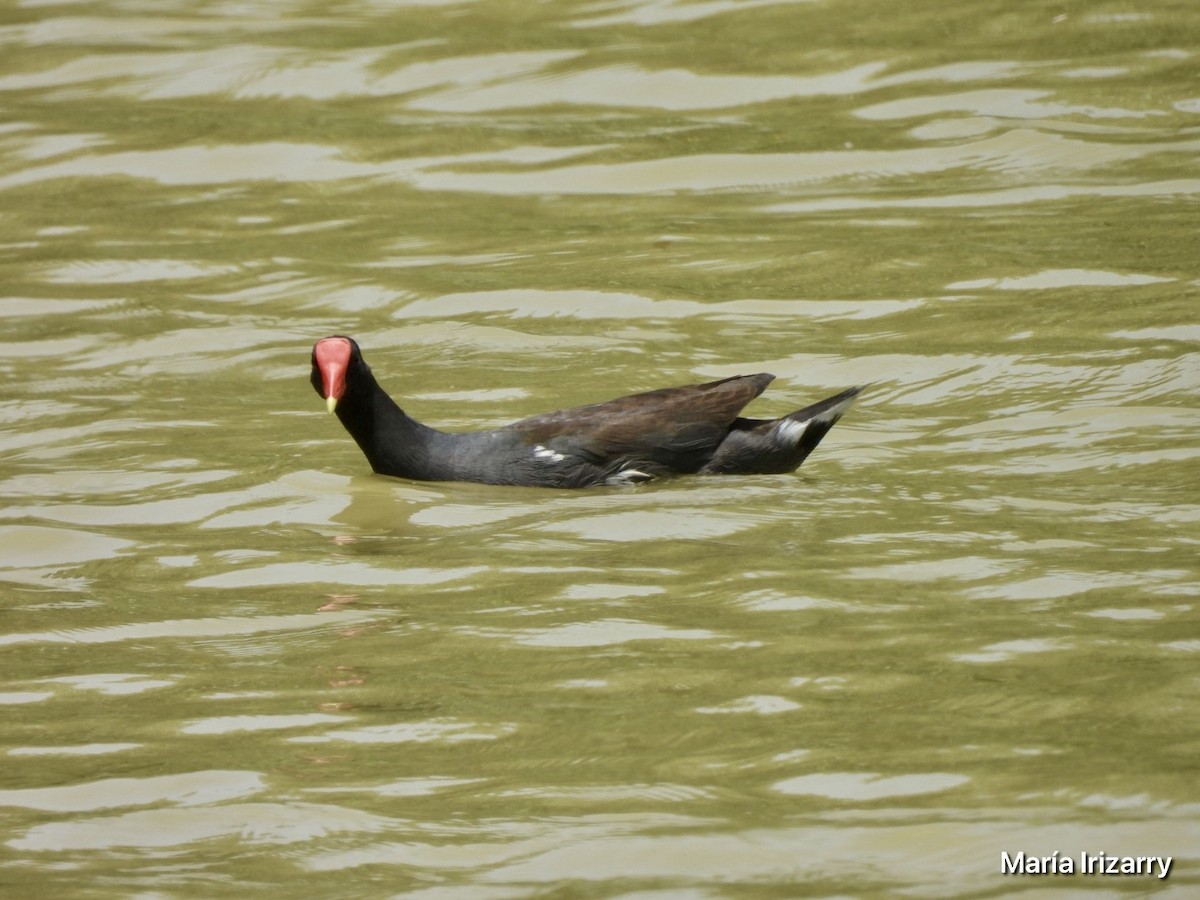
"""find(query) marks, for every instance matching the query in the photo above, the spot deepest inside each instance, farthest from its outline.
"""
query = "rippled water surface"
(236, 663)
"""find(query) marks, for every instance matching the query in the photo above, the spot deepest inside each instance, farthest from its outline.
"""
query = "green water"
(236, 663)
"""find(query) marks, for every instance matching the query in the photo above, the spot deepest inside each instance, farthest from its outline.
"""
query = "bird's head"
(333, 361)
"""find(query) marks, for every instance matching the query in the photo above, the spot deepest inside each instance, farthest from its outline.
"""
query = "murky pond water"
(235, 662)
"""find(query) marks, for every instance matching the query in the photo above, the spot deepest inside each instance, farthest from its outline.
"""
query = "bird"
(695, 429)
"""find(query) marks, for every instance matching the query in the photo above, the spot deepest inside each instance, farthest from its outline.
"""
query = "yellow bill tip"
(331, 403)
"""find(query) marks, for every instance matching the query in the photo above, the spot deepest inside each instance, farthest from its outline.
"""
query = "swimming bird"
(696, 429)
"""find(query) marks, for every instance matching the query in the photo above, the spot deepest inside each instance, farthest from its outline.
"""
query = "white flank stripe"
(628, 476)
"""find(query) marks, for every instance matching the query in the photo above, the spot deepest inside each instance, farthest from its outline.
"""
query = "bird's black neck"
(393, 442)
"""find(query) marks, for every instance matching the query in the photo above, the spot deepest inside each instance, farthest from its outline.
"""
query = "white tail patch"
(547, 454)
(790, 431)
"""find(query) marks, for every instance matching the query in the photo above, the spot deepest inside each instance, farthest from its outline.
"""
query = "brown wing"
(679, 428)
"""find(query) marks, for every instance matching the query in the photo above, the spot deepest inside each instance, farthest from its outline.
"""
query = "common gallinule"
(693, 429)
